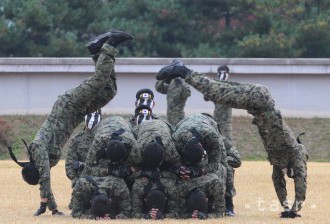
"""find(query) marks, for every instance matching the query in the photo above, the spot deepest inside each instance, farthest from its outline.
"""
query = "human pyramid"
(153, 168)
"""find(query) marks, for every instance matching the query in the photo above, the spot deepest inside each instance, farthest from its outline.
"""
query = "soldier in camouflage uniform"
(89, 187)
(283, 149)
(223, 116)
(177, 93)
(110, 130)
(78, 147)
(153, 179)
(205, 130)
(68, 112)
(158, 131)
(212, 186)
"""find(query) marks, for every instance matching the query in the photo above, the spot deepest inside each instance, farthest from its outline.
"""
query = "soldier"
(201, 131)
(177, 93)
(68, 111)
(154, 196)
(111, 146)
(223, 116)
(78, 147)
(283, 149)
(100, 197)
(150, 131)
(207, 184)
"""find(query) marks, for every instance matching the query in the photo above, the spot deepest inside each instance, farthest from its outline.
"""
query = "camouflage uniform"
(212, 186)
(215, 160)
(102, 137)
(78, 148)
(177, 92)
(114, 187)
(69, 111)
(138, 195)
(146, 132)
(282, 148)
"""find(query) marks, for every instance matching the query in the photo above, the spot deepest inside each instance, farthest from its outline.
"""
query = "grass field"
(255, 202)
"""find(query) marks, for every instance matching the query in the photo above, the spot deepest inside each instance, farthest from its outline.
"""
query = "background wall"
(300, 87)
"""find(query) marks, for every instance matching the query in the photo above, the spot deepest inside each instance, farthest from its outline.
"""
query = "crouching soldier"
(154, 196)
(79, 146)
(100, 198)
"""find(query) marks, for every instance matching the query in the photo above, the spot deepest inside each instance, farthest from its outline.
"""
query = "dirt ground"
(255, 202)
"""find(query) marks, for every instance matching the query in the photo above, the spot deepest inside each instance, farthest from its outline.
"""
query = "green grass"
(245, 136)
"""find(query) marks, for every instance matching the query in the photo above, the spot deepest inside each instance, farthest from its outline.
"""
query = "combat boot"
(229, 206)
(113, 38)
(175, 69)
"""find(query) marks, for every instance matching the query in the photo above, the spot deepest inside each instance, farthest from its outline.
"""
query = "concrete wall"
(300, 87)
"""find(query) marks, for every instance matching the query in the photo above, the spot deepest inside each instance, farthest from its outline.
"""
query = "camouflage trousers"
(230, 189)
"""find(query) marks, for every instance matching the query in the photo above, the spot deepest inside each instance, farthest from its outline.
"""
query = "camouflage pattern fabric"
(213, 143)
(102, 137)
(68, 111)
(214, 189)
(171, 192)
(146, 132)
(177, 92)
(78, 148)
(114, 188)
(282, 148)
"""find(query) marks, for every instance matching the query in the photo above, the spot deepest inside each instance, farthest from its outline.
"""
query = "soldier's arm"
(135, 156)
(233, 156)
(216, 189)
(80, 198)
(217, 153)
(280, 186)
(121, 192)
(161, 87)
(300, 179)
(71, 157)
(137, 196)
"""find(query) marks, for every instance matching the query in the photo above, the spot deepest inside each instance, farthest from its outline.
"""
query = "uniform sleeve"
(161, 87)
(214, 189)
(137, 199)
(280, 185)
(80, 198)
(135, 157)
(121, 192)
(70, 159)
(41, 159)
(233, 156)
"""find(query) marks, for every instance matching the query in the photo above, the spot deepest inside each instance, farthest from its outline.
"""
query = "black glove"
(201, 215)
(56, 212)
(42, 209)
(121, 171)
(78, 166)
(289, 214)
(194, 172)
(159, 215)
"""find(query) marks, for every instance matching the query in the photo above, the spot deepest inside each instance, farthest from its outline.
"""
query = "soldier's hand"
(122, 171)
(42, 209)
(78, 166)
(194, 172)
(289, 214)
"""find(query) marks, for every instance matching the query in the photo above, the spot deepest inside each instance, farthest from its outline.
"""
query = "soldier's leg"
(251, 97)
(230, 191)
(280, 186)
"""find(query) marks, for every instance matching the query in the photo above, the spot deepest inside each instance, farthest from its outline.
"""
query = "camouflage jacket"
(211, 140)
(78, 148)
(67, 113)
(114, 188)
(146, 132)
(214, 189)
(138, 195)
(103, 135)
